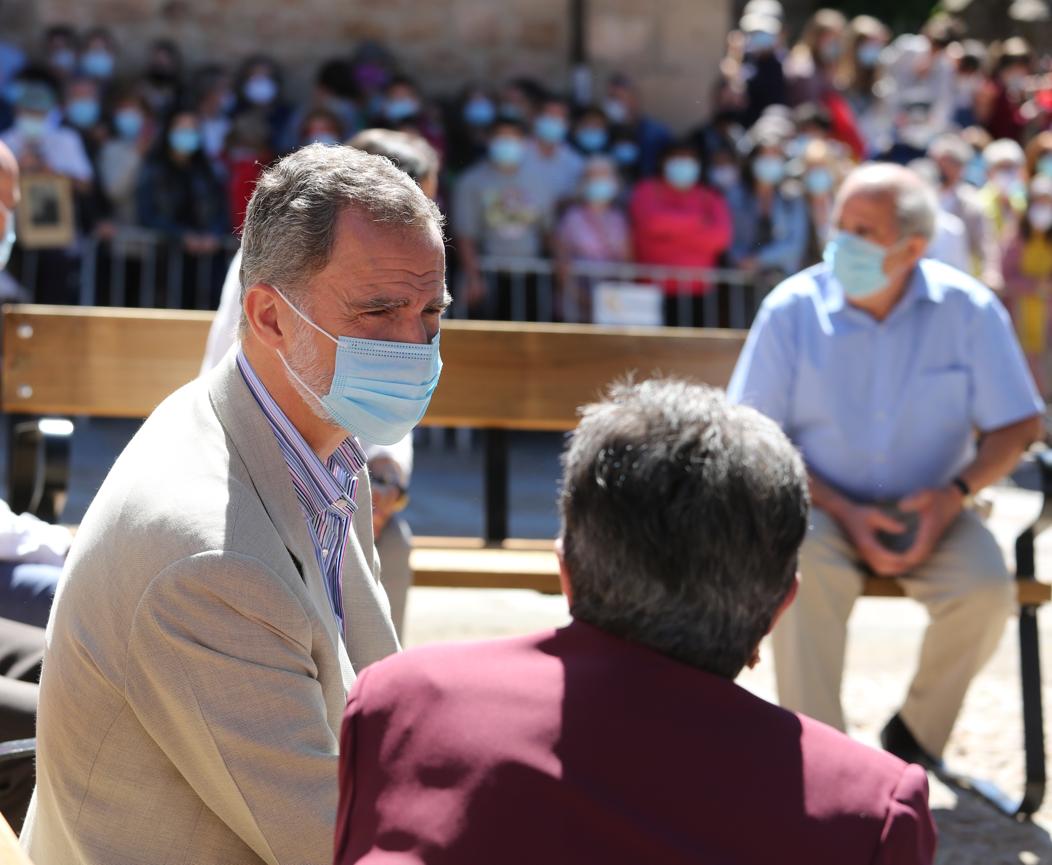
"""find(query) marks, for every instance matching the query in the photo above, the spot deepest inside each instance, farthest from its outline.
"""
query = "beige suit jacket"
(194, 679)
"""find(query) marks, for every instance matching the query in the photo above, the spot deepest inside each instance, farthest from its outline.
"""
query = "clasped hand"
(936, 509)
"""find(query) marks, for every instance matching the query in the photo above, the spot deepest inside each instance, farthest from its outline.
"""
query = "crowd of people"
(529, 172)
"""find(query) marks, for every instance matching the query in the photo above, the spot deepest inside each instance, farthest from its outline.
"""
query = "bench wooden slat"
(474, 565)
(123, 362)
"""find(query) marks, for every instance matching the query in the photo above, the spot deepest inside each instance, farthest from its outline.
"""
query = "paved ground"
(885, 634)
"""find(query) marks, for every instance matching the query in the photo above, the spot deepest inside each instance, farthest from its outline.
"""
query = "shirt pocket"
(940, 401)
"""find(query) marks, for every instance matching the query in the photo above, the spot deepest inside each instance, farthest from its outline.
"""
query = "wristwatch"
(962, 485)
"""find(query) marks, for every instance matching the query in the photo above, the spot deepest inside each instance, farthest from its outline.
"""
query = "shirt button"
(325, 552)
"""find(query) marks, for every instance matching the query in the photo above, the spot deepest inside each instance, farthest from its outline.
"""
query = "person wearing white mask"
(551, 161)
(951, 155)
(770, 218)
(99, 57)
(498, 211)
(41, 145)
(223, 594)
(903, 386)
(1028, 281)
(1004, 195)
(260, 89)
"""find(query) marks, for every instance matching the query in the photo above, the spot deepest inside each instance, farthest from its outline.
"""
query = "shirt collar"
(921, 287)
(319, 486)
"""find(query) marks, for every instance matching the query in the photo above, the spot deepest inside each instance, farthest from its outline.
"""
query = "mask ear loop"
(302, 315)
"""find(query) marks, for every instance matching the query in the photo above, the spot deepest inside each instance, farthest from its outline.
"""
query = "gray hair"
(682, 516)
(952, 146)
(291, 221)
(916, 203)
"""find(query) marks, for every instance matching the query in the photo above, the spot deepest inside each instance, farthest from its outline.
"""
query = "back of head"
(411, 153)
(682, 515)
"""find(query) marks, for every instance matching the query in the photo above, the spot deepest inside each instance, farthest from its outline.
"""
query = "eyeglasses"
(385, 482)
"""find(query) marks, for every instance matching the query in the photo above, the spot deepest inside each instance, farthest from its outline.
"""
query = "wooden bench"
(70, 361)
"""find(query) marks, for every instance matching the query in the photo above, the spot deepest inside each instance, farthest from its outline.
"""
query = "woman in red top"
(679, 222)
(999, 103)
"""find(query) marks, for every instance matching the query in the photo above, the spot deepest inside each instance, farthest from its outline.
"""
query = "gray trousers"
(966, 589)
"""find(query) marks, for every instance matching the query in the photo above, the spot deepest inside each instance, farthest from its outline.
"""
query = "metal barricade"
(135, 267)
(540, 289)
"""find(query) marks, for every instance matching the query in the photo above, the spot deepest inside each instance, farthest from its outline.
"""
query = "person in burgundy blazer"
(622, 738)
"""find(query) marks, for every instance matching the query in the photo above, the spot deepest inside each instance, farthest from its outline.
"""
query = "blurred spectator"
(822, 172)
(969, 81)
(372, 66)
(999, 103)
(99, 58)
(499, 211)
(163, 81)
(248, 153)
(949, 240)
(678, 221)
(61, 51)
(865, 39)
(468, 127)
(83, 113)
(810, 68)
(549, 159)
(334, 91)
(1039, 155)
(1028, 281)
(1004, 195)
(259, 88)
(761, 65)
(121, 157)
(919, 96)
(215, 101)
(951, 155)
(320, 126)
(624, 150)
(623, 109)
(518, 100)
(770, 217)
(38, 143)
(179, 193)
(411, 153)
(724, 172)
(975, 171)
(594, 230)
(591, 132)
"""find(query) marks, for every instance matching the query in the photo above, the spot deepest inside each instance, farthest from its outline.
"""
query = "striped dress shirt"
(325, 490)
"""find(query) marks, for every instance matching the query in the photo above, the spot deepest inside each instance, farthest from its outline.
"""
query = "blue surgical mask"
(600, 190)
(129, 123)
(550, 129)
(63, 59)
(760, 42)
(1044, 165)
(818, 181)
(31, 125)
(591, 139)
(97, 64)
(857, 264)
(769, 169)
(506, 150)
(626, 152)
(261, 90)
(83, 113)
(975, 171)
(380, 390)
(479, 112)
(397, 110)
(185, 141)
(869, 54)
(7, 242)
(682, 171)
(724, 176)
(616, 111)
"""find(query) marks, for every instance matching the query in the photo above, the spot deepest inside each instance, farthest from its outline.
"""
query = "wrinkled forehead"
(872, 205)
(378, 254)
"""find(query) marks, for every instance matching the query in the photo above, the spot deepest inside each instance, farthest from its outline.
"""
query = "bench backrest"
(123, 362)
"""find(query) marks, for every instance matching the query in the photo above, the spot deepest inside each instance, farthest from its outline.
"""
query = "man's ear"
(564, 574)
(262, 312)
(790, 596)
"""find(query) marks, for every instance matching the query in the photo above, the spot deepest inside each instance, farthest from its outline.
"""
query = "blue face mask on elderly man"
(380, 390)
(858, 264)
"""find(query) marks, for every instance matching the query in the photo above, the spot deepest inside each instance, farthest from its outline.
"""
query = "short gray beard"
(305, 360)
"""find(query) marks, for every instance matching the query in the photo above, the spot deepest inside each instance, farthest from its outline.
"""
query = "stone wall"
(670, 47)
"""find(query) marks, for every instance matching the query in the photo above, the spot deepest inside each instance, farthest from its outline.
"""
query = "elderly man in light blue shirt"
(882, 367)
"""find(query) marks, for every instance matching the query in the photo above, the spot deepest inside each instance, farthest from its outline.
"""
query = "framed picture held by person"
(45, 212)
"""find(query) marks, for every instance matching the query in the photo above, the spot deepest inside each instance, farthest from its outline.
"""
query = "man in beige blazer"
(214, 611)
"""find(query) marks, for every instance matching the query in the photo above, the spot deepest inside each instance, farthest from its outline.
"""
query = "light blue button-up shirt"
(883, 409)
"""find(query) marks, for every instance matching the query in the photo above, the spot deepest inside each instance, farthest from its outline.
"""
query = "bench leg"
(1033, 714)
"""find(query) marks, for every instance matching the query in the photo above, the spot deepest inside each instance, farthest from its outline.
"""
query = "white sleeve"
(222, 333)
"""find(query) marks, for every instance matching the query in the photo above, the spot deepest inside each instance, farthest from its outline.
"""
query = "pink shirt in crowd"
(679, 227)
(595, 235)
